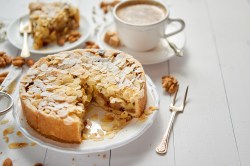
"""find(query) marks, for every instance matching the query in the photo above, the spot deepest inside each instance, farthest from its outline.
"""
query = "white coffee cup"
(143, 37)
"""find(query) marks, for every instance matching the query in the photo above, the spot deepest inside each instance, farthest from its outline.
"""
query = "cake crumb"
(32, 144)
(6, 139)
(9, 130)
(150, 110)
(18, 145)
(108, 35)
(11, 87)
(5, 121)
(112, 39)
(74, 161)
(94, 117)
(91, 44)
(19, 134)
(38, 164)
(142, 118)
(106, 6)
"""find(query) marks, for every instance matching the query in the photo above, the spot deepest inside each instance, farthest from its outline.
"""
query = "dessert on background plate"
(57, 90)
(53, 22)
(57, 34)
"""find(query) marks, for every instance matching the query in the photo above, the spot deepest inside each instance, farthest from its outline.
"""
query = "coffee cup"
(141, 24)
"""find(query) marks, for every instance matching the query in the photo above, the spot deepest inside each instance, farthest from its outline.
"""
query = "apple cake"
(57, 89)
(51, 21)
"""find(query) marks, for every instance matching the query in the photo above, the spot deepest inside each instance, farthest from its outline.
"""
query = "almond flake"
(6, 139)
(62, 113)
(32, 144)
(98, 139)
(58, 97)
(17, 145)
(110, 135)
(100, 132)
(9, 130)
(44, 67)
(5, 121)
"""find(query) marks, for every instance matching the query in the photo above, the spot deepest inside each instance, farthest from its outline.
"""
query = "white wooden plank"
(24, 156)
(142, 150)
(29, 155)
(8, 48)
(12, 9)
(62, 159)
(55, 158)
(204, 133)
(232, 39)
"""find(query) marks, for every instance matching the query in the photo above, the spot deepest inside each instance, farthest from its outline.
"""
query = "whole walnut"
(7, 162)
(170, 84)
(5, 60)
(2, 62)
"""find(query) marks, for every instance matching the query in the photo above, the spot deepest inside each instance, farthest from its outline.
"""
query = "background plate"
(16, 38)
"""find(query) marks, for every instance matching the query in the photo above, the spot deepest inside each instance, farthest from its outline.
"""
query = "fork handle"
(162, 147)
(25, 50)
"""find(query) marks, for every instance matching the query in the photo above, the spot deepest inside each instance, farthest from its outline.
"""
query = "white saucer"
(16, 38)
(159, 54)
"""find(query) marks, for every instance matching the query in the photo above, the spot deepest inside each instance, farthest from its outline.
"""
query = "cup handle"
(180, 21)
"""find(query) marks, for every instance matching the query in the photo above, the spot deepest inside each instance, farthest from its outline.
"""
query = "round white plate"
(130, 132)
(159, 54)
(16, 38)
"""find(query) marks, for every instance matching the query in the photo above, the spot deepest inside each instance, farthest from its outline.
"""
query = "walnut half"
(170, 84)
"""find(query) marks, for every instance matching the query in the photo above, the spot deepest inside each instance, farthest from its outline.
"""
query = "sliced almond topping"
(100, 132)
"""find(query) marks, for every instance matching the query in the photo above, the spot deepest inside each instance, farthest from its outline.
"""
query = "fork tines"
(185, 97)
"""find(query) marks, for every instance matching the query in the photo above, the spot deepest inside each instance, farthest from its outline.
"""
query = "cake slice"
(51, 21)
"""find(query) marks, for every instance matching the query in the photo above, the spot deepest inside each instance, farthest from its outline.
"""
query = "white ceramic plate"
(159, 54)
(16, 38)
(130, 132)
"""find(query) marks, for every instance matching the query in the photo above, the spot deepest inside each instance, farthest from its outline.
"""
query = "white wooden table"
(214, 130)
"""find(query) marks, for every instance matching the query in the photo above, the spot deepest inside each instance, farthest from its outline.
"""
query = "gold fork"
(162, 147)
(25, 29)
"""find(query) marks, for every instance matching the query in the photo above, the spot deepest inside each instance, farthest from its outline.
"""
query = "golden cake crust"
(70, 133)
(55, 107)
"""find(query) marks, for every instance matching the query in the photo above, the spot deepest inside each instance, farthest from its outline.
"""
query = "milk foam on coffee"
(141, 14)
